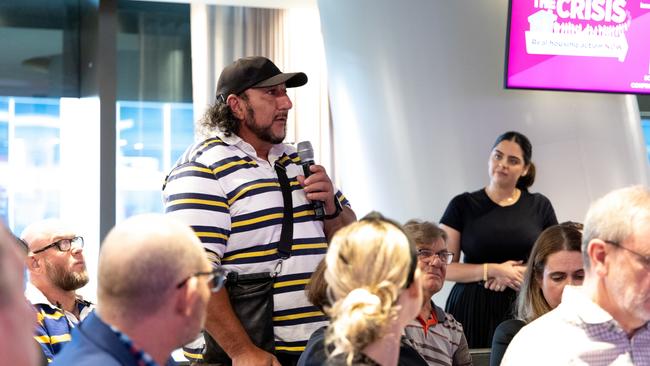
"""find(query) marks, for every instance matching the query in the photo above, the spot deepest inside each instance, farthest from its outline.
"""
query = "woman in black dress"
(495, 228)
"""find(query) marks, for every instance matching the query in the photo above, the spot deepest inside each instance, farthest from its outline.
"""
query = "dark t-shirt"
(502, 337)
(315, 355)
(490, 233)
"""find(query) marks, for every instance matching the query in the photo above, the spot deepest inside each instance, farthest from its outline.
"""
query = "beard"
(66, 280)
(263, 133)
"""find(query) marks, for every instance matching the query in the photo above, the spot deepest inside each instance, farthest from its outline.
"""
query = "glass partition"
(150, 138)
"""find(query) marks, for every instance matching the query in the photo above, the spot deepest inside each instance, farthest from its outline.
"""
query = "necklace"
(506, 201)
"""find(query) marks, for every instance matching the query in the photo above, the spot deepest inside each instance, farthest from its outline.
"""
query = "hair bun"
(360, 296)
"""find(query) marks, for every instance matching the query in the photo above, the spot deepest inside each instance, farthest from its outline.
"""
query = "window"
(41, 40)
(30, 156)
(155, 120)
(151, 137)
(50, 136)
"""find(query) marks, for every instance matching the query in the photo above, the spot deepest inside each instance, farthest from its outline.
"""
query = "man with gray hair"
(434, 333)
(57, 269)
(154, 283)
(606, 321)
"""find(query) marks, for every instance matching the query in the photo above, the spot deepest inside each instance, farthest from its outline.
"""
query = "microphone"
(306, 155)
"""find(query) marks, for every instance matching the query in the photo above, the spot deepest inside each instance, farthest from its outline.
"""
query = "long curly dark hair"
(219, 115)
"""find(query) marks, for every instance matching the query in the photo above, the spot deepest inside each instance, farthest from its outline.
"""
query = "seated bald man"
(57, 270)
(154, 283)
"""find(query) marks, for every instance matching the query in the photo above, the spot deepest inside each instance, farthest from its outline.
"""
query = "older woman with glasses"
(435, 334)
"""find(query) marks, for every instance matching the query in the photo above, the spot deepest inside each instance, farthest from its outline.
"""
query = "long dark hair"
(219, 115)
(531, 303)
(525, 181)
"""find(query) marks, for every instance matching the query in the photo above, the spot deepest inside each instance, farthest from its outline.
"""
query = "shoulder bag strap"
(286, 236)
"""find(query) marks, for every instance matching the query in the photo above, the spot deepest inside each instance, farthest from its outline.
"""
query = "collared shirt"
(141, 357)
(439, 339)
(578, 332)
(232, 200)
(53, 323)
(430, 322)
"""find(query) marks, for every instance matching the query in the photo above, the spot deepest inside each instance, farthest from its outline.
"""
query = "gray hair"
(614, 216)
(424, 232)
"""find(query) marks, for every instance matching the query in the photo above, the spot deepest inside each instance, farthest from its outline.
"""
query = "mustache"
(433, 271)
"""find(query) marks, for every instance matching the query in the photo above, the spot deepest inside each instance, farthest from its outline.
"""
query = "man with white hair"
(606, 321)
(154, 283)
(16, 317)
(56, 270)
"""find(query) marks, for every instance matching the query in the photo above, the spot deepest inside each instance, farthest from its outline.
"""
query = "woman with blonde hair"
(555, 261)
(374, 288)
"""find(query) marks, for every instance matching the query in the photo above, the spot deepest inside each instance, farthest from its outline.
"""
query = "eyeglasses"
(645, 259)
(216, 279)
(64, 245)
(444, 256)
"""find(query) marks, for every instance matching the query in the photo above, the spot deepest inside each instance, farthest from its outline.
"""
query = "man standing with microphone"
(229, 189)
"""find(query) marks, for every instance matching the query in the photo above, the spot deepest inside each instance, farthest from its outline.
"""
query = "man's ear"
(33, 264)
(597, 251)
(186, 296)
(236, 106)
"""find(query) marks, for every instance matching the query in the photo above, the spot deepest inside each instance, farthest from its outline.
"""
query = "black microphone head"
(305, 151)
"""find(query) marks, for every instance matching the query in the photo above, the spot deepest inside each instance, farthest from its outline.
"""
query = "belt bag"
(251, 295)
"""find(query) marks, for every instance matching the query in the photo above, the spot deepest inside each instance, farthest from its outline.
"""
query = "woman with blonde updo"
(374, 289)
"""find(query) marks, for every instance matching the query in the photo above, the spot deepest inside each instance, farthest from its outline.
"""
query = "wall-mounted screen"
(579, 45)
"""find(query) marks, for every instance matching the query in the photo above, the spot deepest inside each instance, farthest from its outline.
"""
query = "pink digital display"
(582, 45)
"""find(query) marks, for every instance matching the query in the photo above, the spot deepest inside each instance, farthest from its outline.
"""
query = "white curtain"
(291, 38)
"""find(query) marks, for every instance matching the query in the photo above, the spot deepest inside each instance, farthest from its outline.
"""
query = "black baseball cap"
(254, 72)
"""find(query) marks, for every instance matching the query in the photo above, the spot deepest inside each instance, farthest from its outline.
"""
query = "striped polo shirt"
(53, 323)
(439, 342)
(232, 200)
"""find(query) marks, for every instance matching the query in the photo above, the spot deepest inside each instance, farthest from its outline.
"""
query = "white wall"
(417, 100)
